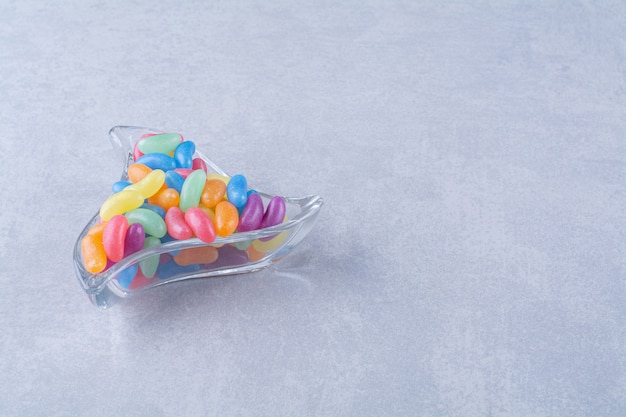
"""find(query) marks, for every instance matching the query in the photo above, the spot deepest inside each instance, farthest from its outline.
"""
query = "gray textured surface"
(469, 260)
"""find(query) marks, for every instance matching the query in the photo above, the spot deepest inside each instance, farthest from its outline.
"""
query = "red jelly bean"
(200, 224)
(177, 227)
(113, 237)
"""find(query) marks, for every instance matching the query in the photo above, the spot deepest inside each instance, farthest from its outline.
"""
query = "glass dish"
(236, 254)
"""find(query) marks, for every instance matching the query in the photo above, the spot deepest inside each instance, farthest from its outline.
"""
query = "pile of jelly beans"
(169, 196)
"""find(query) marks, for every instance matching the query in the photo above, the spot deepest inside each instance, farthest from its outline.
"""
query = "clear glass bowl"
(236, 254)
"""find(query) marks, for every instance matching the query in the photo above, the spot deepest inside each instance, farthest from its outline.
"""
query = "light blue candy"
(237, 190)
(184, 154)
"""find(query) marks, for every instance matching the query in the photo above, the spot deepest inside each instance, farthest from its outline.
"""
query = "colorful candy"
(114, 236)
(192, 189)
(200, 224)
(237, 190)
(177, 227)
(170, 195)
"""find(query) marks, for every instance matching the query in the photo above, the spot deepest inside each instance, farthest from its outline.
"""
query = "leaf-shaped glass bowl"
(236, 254)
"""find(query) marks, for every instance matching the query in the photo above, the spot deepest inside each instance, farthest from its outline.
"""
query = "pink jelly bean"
(198, 163)
(200, 224)
(184, 172)
(136, 152)
(176, 225)
(252, 214)
(275, 212)
(135, 237)
(114, 236)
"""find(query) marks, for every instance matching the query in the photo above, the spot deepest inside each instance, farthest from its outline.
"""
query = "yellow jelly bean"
(120, 203)
(150, 184)
(269, 245)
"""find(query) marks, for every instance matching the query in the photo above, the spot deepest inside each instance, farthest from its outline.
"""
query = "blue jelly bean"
(157, 161)
(125, 278)
(119, 186)
(237, 190)
(174, 180)
(171, 268)
(184, 154)
(157, 209)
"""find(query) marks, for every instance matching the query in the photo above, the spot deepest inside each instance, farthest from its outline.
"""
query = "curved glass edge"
(103, 288)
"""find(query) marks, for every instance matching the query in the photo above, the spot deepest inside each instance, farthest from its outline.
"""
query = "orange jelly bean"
(213, 192)
(226, 218)
(199, 255)
(136, 172)
(166, 198)
(92, 248)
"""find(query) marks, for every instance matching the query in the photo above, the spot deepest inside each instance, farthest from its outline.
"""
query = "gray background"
(470, 257)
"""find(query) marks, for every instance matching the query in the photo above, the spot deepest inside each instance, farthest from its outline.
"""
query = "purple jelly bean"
(275, 212)
(184, 154)
(135, 237)
(252, 214)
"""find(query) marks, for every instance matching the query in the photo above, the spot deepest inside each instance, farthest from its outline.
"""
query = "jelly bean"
(237, 190)
(92, 250)
(275, 212)
(136, 172)
(157, 209)
(253, 254)
(119, 186)
(252, 214)
(150, 184)
(170, 269)
(213, 192)
(184, 155)
(120, 203)
(198, 255)
(136, 152)
(184, 172)
(226, 218)
(157, 161)
(125, 278)
(192, 190)
(229, 256)
(269, 245)
(114, 236)
(149, 265)
(164, 143)
(177, 227)
(135, 238)
(243, 244)
(174, 180)
(198, 163)
(165, 198)
(140, 280)
(200, 224)
(152, 223)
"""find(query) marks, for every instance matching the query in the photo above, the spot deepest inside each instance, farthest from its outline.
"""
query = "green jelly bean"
(164, 143)
(149, 265)
(152, 223)
(192, 189)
